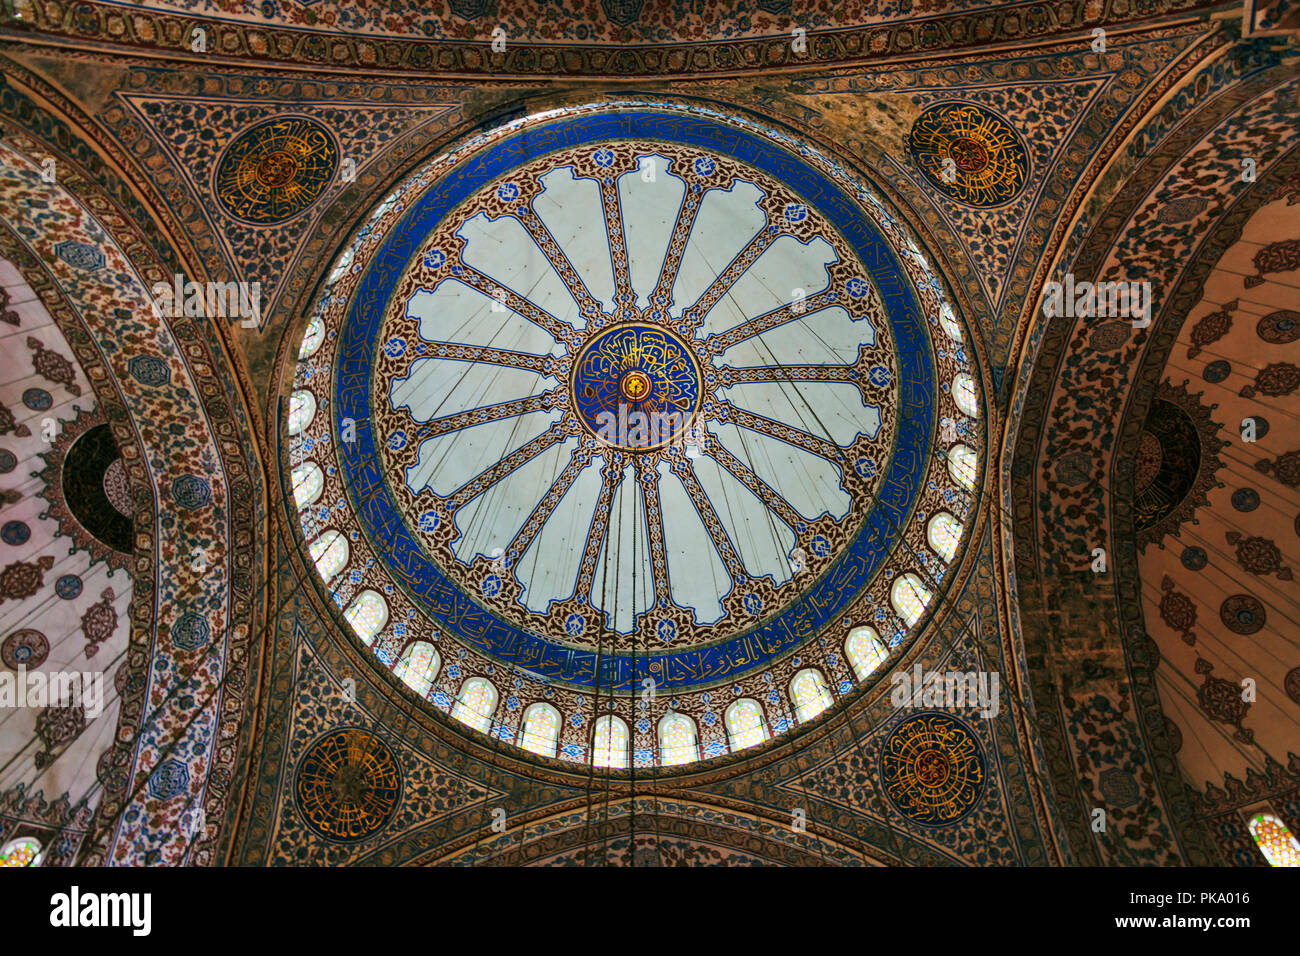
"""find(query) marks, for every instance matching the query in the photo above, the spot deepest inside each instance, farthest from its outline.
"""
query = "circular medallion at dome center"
(636, 387)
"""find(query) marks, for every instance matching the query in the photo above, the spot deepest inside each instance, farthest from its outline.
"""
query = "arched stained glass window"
(313, 337)
(476, 704)
(962, 466)
(865, 651)
(909, 597)
(609, 742)
(745, 725)
(302, 409)
(418, 666)
(367, 615)
(25, 851)
(1275, 841)
(307, 481)
(540, 731)
(329, 552)
(949, 323)
(944, 534)
(678, 742)
(810, 694)
(963, 393)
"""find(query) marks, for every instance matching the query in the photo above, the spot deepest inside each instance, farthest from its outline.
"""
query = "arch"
(809, 693)
(302, 409)
(329, 552)
(419, 666)
(1274, 840)
(745, 724)
(24, 851)
(539, 731)
(312, 337)
(609, 742)
(367, 614)
(476, 704)
(949, 323)
(963, 393)
(963, 466)
(865, 651)
(909, 598)
(943, 533)
(678, 740)
(307, 482)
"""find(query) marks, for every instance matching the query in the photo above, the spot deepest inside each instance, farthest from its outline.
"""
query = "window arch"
(368, 614)
(609, 742)
(476, 704)
(329, 553)
(865, 651)
(963, 393)
(1274, 840)
(949, 323)
(962, 466)
(810, 694)
(943, 532)
(745, 724)
(678, 741)
(418, 666)
(313, 337)
(302, 409)
(909, 597)
(539, 732)
(307, 481)
(24, 851)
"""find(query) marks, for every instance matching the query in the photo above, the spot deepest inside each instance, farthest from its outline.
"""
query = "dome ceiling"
(632, 394)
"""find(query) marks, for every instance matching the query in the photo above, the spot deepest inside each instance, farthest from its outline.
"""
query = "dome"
(633, 409)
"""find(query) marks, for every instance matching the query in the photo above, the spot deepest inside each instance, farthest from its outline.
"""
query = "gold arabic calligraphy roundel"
(276, 169)
(932, 769)
(969, 153)
(348, 784)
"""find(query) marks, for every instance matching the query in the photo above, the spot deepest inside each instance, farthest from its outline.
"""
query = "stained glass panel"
(418, 667)
(476, 704)
(541, 730)
(962, 466)
(609, 744)
(307, 481)
(810, 694)
(910, 598)
(25, 851)
(367, 614)
(1275, 840)
(865, 651)
(330, 554)
(302, 409)
(963, 393)
(944, 534)
(313, 337)
(744, 720)
(677, 740)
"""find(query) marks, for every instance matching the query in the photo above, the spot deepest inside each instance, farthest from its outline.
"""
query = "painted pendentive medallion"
(275, 170)
(932, 769)
(969, 153)
(348, 785)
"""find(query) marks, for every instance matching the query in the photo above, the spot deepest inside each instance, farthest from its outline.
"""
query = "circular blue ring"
(733, 657)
